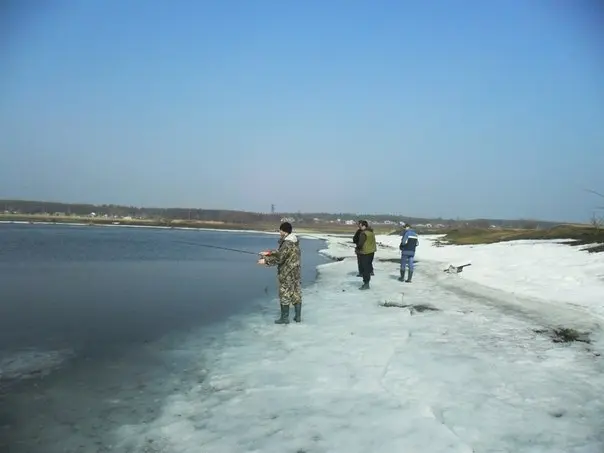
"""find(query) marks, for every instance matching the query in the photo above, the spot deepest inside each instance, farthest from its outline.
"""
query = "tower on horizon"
(272, 209)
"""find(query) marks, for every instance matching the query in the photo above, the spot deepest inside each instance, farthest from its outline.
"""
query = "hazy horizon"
(332, 213)
(474, 110)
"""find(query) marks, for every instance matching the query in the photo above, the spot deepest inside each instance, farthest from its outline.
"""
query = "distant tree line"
(240, 217)
(112, 210)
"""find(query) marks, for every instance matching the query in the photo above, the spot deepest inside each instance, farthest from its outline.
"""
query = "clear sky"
(439, 108)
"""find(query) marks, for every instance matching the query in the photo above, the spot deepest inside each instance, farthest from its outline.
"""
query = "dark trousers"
(370, 263)
(366, 263)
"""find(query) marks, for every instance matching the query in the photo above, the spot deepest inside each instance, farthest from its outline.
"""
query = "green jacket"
(366, 243)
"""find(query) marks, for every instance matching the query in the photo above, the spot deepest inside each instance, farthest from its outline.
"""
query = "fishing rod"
(247, 252)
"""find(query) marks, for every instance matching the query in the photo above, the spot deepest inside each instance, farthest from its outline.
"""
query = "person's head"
(285, 228)
(363, 224)
(359, 223)
(407, 226)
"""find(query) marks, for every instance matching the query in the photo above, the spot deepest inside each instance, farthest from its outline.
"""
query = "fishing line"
(197, 244)
(337, 239)
(247, 252)
(341, 240)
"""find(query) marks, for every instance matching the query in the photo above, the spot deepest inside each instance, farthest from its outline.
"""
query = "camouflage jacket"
(288, 261)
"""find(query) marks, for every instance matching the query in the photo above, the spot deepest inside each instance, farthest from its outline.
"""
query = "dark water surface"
(83, 310)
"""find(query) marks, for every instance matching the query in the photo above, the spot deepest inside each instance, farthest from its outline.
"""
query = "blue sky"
(455, 109)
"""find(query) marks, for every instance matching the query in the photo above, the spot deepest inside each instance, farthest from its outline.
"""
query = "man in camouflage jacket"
(287, 260)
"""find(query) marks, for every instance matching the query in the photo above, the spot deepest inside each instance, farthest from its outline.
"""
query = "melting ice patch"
(30, 363)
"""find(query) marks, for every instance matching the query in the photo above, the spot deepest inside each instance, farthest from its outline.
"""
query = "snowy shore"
(468, 366)
(550, 271)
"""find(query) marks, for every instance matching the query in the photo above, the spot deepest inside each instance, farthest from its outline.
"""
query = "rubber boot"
(298, 315)
(402, 277)
(284, 319)
(410, 277)
(365, 286)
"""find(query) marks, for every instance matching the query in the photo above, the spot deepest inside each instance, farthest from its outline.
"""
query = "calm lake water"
(85, 312)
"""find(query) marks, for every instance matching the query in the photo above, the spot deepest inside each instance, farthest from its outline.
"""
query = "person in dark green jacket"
(366, 248)
(355, 239)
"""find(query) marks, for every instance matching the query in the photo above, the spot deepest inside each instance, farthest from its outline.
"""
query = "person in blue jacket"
(409, 243)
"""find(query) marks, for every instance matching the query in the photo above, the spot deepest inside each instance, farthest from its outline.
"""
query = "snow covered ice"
(475, 374)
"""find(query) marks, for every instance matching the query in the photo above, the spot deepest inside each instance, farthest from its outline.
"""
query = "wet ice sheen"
(31, 363)
(357, 377)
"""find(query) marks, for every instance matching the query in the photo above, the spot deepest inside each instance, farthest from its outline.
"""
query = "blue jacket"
(409, 242)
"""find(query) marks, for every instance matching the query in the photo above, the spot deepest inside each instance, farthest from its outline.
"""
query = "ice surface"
(470, 376)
